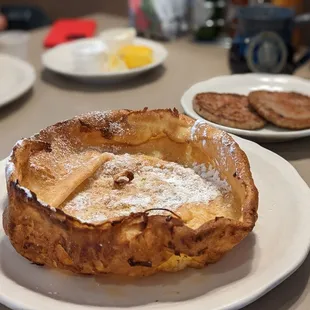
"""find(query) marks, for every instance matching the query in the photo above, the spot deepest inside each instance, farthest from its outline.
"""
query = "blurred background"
(72, 8)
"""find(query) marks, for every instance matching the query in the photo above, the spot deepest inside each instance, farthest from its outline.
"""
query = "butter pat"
(136, 55)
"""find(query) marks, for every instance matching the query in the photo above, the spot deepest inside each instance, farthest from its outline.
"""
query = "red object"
(142, 22)
(65, 30)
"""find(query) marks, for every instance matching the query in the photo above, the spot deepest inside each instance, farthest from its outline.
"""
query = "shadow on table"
(291, 150)
(72, 84)
(15, 105)
(286, 294)
(112, 291)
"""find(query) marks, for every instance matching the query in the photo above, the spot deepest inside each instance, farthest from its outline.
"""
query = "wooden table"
(55, 98)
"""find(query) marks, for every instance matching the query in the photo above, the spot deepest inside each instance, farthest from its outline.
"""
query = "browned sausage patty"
(284, 109)
(227, 109)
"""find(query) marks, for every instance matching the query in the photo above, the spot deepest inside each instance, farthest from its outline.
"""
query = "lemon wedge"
(115, 64)
(136, 55)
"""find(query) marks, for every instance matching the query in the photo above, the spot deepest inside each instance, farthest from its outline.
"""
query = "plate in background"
(60, 60)
(281, 235)
(243, 84)
(16, 78)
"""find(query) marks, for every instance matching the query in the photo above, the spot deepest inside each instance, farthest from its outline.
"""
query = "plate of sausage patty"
(261, 107)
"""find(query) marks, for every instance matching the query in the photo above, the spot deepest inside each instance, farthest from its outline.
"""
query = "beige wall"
(71, 8)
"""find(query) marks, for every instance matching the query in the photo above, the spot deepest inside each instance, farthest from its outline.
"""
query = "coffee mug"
(263, 42)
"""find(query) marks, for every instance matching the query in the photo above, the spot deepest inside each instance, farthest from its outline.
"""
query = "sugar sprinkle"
(166, 185)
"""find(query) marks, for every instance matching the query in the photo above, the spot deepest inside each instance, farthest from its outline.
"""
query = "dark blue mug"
(263, 42)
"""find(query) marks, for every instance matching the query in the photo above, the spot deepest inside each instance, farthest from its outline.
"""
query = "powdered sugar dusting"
(30, 196)
(228, 142)
(19, 143)
(224, 144)
(156, 184)
(9, 169)
(211, 175)
(138, 200)
(222, 136)
(196, 125)
(98, 116)
(26, 191)
(115, 127)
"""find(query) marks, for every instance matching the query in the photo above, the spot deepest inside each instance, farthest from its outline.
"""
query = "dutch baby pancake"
(128, 192)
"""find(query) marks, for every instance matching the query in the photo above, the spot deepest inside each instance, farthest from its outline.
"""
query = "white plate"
(59, 59)
(16, 78)
(277, 247)
(244, 84)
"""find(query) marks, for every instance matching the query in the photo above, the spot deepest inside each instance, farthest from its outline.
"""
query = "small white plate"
(243, 84)
(277, 247)
(16, 78)
(60, 60)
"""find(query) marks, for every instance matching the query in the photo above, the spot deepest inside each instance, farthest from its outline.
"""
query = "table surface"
(55, 98)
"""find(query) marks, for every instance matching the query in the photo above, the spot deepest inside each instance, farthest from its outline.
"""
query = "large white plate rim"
(298, 253)
(27, 83)
(186, 102)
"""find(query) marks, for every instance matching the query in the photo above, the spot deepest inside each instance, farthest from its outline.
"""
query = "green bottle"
(208, 19)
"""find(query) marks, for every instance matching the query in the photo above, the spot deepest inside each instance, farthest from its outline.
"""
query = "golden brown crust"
(285, 109)
(227, 109)
(48, 236)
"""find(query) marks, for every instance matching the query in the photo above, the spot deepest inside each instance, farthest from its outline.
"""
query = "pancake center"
(135, 183)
